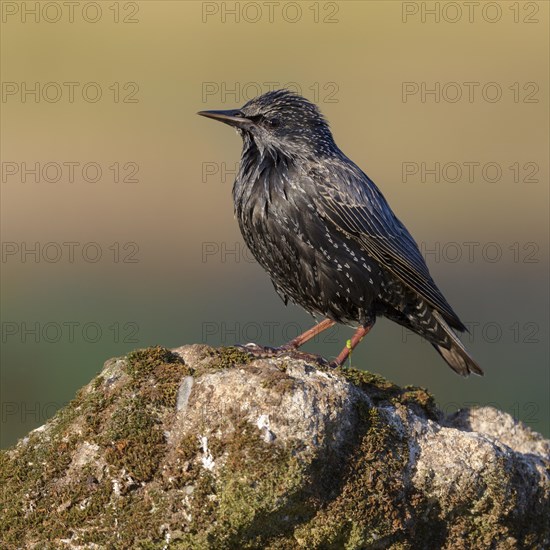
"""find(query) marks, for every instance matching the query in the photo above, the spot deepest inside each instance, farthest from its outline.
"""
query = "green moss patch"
(225, 358)
(156, 373)
(381, 390)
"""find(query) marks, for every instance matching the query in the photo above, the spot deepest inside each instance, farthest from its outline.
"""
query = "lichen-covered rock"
(214, 448)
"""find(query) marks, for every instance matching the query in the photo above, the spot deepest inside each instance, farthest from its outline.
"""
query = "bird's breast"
(307, 261)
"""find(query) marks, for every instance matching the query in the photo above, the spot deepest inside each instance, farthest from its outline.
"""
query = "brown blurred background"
(125, 236)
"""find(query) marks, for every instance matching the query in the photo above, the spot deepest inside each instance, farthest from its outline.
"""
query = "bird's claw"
(264, 352)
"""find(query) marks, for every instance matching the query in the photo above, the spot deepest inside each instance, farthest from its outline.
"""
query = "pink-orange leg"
(294, 344)
(300, 340)
(355, 339)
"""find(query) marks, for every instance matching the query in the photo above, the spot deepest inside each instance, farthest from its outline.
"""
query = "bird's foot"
(263, 351)
(295, 353)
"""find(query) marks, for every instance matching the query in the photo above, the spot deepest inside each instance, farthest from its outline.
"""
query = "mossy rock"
(218, 448)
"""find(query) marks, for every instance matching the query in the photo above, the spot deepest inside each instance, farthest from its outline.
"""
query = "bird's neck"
(262, 171)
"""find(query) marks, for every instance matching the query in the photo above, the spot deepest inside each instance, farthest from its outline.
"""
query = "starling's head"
(281, 121)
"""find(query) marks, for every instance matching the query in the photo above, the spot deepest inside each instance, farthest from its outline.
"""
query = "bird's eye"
(273, 122)
(238, 114)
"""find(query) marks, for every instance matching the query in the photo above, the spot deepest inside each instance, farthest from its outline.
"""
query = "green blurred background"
(173, 269)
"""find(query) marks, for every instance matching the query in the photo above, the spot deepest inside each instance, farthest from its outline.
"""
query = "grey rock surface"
(214, 448)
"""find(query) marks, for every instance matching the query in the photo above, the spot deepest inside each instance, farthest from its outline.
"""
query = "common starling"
(324, 232)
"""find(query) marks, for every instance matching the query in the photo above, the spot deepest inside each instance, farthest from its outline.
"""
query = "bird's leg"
(301, 339)
(294, 344)
(351, 345)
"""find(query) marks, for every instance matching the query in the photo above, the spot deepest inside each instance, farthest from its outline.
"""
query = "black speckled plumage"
(324, 232)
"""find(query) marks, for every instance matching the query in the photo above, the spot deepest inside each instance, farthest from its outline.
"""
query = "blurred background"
(117, 217)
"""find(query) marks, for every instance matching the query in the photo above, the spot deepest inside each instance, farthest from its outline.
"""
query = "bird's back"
(296, 217)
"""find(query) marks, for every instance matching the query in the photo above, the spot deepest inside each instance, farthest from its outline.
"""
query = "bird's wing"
(354, 205)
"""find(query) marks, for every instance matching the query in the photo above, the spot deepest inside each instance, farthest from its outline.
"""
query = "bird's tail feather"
(456, 355)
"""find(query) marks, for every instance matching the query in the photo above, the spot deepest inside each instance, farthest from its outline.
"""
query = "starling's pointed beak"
(232, 117)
